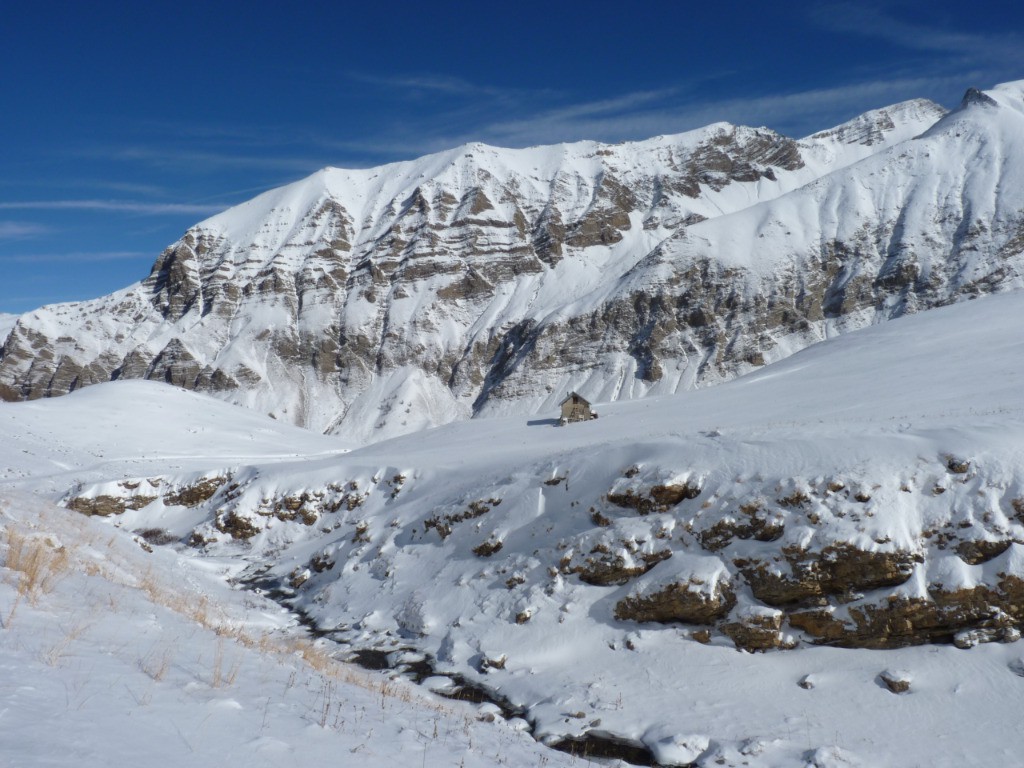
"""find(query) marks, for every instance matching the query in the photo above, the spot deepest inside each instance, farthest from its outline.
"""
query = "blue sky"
(125, 123)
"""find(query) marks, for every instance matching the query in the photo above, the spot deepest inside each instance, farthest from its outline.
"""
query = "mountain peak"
(1009, 95)
(976, 97)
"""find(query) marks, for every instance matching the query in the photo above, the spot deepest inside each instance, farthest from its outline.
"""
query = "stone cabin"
(575, 407)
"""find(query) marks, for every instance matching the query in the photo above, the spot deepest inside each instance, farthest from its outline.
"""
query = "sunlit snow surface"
(128, 428)
(880, 407)
(6, 323)
(121, 657)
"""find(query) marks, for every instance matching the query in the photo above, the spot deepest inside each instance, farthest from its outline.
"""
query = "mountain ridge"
(481, 281)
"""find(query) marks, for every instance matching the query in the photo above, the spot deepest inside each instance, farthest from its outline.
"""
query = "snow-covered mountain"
(481, 280)
(599, 578)
(820, 562)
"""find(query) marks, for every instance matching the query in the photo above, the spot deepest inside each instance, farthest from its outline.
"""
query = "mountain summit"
(482, 280)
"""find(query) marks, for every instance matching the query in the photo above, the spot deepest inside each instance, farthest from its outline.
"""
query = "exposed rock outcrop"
(691, 602)
(756, 629)
(836, 569)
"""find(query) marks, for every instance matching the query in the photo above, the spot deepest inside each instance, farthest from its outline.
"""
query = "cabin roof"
(577, 395)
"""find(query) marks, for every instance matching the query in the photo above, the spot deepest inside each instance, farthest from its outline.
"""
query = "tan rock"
(897, 681)
(837, 569)
(755, 629)
(680, 601)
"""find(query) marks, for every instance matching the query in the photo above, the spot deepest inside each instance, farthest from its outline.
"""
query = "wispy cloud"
(211, 132)
(940, 61)
(203, 160)
(432, 83)
(122, 206)
(17, 230)
(873, 21)
(624, 104)
(528, 123)
(648, 113)
(818, 106)
(119, 187)
(76, 257)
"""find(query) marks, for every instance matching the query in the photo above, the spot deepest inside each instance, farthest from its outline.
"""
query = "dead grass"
(314, 655)
(195, 607)
(223, 674)
(37, 563)
(53, 655)
(156, 664)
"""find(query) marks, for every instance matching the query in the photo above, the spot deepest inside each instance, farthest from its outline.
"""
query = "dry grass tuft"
(37, 563)
(52, 656)
(155, 665)
(195, 607)
(221, 675)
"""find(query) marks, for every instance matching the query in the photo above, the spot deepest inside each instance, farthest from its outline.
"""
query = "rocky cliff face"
(481, 280)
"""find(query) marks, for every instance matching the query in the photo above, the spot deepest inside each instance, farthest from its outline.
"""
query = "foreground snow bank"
(116, 655)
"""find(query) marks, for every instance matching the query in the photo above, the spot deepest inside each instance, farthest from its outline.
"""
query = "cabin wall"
(575, 412)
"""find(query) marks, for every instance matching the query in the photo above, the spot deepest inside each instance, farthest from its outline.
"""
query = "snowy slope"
(477, 281)
(929, 221)
(864, 493)
(112, 655)
(957, 184)
(132, 427)
(269, 222)
(6, 324)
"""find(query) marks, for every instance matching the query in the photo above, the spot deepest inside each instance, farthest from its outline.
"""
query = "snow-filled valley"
(723, 577)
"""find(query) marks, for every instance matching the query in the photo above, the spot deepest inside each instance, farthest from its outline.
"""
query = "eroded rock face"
(194, 495)
(896, 622)
(852, 592)
(977, 551)
(104, 506)
(136, 494)
(603, 568)
(837, 569)
(237, 526)
(756, 630)
(680, 601)
(658, 498)
(846, 570)
(751, 522)
(116, 498)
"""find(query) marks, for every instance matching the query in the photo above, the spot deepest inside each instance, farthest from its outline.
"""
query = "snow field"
(6, 323)
(115, 655)
(400, 551)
